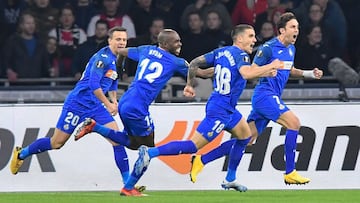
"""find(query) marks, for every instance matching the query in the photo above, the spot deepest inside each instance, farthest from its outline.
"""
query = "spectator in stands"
(333, 20)
(315, 17)
(276, 17)
(142, 13)
(151, 37)
(267, 14)
(177, 10)
(267, 31)
(229, 4)
(168, 15)
(351, 10)
(10, 11)
(215, 30)
(54, 57)
(315, 51)
(84, 11)
(25, 55)
(289, 5)
(194, 39)
(69, 36)
(46, 17)
(245, 11)
(91, 46)
(204, 6)
(115, 14)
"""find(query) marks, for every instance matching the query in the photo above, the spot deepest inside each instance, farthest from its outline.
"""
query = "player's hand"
(189, 91)
(273, 72)
(317, 73)
(112, 109)
(277, 64)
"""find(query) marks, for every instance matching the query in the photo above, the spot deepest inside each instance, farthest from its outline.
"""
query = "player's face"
(117, 41)
(248, 40)
(174, 44)
(291, 31)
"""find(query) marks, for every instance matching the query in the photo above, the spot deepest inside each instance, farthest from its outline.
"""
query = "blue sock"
(122, 161)
(290, 148)
(236, 154)
(120, 137)
(132, 180)
(218, 152)
(173, 148)
(38, 146)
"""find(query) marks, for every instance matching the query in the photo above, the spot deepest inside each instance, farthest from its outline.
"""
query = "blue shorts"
(136, 119)
(214, 122)
(265, 109)
(70, 117)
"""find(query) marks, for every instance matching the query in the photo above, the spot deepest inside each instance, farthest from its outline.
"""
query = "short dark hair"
(102, 21)
(116, 28)
(284, 18)
(238, 29)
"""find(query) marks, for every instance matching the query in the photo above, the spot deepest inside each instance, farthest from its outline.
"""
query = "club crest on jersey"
(66, 127)
(259, 53)
(99, 64)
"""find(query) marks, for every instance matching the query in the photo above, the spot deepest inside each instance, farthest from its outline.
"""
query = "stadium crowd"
(55, 38)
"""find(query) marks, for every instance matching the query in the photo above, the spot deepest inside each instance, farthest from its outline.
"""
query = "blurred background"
(45, 44)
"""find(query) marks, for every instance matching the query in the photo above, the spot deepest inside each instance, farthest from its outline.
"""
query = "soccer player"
(231, 70)
(266, 100)
(87, 99)
(156, 65)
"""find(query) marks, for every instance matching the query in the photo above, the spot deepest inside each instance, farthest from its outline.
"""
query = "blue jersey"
(100, 72)
(269, 51)
(155, 68)
(228, 83)
(266, 101)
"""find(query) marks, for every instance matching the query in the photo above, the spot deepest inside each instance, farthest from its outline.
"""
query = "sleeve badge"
(99, 64)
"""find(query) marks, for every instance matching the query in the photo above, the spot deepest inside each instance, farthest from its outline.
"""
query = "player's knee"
(136, 142)
(294, 124)
(57, 145)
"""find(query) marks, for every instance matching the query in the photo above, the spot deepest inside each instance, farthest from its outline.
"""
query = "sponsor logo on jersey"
(111, 74)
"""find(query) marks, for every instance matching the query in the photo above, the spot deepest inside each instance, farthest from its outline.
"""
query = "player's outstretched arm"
(255, 71)
(313, 74)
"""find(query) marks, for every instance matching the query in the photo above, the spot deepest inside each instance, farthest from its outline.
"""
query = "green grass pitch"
(208, 196)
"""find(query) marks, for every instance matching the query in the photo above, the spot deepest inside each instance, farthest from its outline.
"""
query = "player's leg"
(146, 154)
(61, 134)
(120, 155)
(242, 132)
(292, 123)
(90, 125)
(199, 161)
(207, 130)
(257, 124)
(40, 145)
